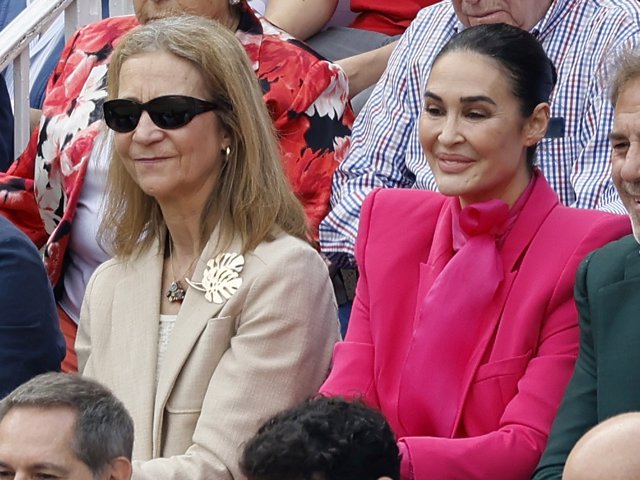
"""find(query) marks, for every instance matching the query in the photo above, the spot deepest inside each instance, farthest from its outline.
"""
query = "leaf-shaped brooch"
(221, 278)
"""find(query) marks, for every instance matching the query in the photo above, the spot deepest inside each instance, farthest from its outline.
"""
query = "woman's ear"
(227, 139)
(536, 125)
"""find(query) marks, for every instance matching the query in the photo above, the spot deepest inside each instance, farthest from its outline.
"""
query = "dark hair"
(531, 73)
(323, 439)
(104, 428)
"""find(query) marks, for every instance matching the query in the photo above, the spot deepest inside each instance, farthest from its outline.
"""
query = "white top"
(84, 252)
(167, 322)
(259, 5)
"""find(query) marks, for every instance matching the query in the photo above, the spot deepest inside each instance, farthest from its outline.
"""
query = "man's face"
(36, 443)
(520, 13)
(147, 10)
(625, 155)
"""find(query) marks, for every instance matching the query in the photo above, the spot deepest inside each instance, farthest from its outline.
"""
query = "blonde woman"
(215, 312)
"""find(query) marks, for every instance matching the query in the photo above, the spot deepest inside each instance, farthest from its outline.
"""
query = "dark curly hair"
(323, 439)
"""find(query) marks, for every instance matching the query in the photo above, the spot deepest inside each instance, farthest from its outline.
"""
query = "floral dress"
(307, 98)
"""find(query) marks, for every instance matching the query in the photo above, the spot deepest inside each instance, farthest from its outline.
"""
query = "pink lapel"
(543, 199)
(440, 253)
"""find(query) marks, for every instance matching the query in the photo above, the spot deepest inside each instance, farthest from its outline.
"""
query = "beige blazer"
(227, 367)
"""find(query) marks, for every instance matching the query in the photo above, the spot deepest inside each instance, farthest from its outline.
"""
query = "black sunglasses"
(167, 112)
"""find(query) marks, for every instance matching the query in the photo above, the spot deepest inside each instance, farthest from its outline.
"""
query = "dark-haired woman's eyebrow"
(433, 96)
(476, 99)
(469, 99)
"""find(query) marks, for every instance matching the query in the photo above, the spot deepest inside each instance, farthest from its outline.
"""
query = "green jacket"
(606, 380)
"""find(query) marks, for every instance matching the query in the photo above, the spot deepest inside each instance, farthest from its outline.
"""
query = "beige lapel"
(193, 317)
(135, 335)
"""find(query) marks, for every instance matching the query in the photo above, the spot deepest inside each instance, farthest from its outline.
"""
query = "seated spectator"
(306, 20)
(63, 426)
(464, 334)
(30, 338)
(53, 191)
(6, 127)
(214, 293)
(378, 24)
(323, 439)
(386, 151)
(44, 51)
(606, 380)
(607, 451)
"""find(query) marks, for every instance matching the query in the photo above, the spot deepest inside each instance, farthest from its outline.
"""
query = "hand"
(365, 69)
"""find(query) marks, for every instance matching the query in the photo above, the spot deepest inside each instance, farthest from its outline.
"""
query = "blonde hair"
(252, 194)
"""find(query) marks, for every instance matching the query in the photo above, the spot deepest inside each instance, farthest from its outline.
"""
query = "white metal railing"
(34, 20)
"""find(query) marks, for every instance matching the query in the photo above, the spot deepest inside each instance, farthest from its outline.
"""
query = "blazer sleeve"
(513, 450)
(577, 412)
(30, 339)
(352, 375)
(279, 355)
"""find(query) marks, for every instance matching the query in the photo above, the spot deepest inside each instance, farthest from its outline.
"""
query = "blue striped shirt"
(582, 37)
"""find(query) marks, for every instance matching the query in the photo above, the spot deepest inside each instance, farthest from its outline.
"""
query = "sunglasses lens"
(122, 115)
(168, 112)
(171, 111)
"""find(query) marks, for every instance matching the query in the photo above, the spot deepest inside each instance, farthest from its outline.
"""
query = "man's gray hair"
(627, 69)
(104, 428)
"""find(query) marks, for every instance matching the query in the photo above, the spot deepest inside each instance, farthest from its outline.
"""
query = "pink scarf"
(458, 297)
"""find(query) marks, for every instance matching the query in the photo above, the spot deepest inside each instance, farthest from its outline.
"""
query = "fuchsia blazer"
(521, 363)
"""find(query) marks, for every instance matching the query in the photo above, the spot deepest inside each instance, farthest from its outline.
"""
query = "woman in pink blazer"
(464, 332)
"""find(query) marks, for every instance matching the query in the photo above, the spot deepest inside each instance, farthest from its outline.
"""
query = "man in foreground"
(606, 381)
(607, 451)
(64, 426)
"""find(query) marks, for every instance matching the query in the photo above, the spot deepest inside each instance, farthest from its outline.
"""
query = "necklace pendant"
(176, 292)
